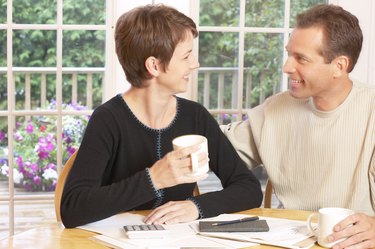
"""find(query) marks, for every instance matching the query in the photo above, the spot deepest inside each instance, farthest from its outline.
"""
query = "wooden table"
(57, 237)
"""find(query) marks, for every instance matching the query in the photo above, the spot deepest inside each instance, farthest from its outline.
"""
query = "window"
(52, 71)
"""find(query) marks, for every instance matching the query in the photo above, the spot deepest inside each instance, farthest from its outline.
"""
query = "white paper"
(181, 235)
(283, 232)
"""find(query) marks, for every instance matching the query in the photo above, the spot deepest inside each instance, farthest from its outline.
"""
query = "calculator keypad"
(143, 227)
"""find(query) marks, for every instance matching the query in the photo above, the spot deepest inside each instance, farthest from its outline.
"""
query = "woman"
(126, 161)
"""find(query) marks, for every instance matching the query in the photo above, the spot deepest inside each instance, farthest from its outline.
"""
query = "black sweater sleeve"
(241, 189)
(89, 193)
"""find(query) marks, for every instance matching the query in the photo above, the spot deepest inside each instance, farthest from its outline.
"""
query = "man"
(317, 140)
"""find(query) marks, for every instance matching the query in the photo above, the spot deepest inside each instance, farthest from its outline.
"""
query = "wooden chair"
(268, 194)
(60, 184)
(196, 191)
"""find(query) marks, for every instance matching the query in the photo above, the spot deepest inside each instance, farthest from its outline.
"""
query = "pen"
(235, 221)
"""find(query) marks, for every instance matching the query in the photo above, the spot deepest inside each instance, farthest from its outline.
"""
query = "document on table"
(282, 232)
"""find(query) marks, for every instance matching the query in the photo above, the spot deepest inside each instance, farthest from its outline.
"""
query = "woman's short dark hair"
(342, 33)
(151, 30)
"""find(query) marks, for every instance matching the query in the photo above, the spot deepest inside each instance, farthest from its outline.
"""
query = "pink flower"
(2, 136)
(37, 180)
(30, 128)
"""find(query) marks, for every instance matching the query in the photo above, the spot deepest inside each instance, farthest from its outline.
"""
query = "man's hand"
(173, 212)
(359, 229)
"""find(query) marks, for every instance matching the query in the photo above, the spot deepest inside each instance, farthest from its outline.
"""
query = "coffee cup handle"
(194, 163)
(309, 226)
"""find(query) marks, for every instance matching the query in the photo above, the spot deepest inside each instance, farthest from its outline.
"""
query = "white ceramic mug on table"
(327, 219)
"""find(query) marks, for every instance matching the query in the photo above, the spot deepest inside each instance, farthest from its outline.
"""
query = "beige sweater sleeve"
(242, 138)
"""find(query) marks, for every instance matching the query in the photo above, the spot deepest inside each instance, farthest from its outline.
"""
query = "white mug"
(190, 140)
(327, 219)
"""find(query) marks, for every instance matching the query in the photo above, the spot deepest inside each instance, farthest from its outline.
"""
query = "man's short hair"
(341, 30)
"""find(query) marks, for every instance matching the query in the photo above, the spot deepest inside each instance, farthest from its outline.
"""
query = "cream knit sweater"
(314, 159)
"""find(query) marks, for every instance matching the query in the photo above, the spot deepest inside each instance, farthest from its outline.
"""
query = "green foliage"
(3, 11)
(264, 13)
(84, 12)
(34, 11)
(219, 13)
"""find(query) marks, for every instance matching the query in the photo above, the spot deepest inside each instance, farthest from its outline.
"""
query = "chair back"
(268, 194)
(61, 183)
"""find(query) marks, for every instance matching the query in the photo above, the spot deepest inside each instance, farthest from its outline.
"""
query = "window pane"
(3, 91)
(217, 88)
(83, 48)
(84, 12)
(218, 49)
(3, 48)
(83, 88)
(219, 13)
(34, 48)
(34, 89)
(266, 13)
(263, 64)
(35, 154)
(297, 6)
(34, 12)
(3, 11)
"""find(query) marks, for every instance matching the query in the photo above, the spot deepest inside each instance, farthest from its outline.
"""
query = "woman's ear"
(152, 66)
(341, 65)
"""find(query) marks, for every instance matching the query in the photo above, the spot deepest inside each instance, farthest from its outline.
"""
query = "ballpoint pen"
(235, 221)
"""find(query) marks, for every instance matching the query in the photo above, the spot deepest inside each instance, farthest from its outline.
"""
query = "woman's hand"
(360, 235)
(175, 168)
(173, 212)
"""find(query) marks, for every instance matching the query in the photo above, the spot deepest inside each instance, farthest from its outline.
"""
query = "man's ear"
(152, 66)
(341, 65)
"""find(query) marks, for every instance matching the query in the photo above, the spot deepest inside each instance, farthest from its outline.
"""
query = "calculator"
(145, 231)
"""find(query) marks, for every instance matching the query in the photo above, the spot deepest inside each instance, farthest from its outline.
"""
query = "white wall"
(364, 10)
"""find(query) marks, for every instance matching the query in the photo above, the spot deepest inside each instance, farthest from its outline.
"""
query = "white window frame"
(11, 113)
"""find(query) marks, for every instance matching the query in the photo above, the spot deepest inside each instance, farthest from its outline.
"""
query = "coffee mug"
(327, 219)
(190, 140)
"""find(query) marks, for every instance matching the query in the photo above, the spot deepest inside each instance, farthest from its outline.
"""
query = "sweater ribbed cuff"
(158, 193)
(201, 216)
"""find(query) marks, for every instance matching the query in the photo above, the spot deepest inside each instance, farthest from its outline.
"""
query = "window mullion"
(11, 118)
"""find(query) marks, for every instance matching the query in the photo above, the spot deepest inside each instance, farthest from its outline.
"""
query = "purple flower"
(43, 155)
(18, 136)
(71, 150)
(2, 136)
(52, 166)
(19, 161)
(37, 180)
(34, 167)
(45, 144)
(29, 128)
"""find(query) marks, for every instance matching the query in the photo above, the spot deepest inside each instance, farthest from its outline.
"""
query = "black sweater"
(109, 176)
